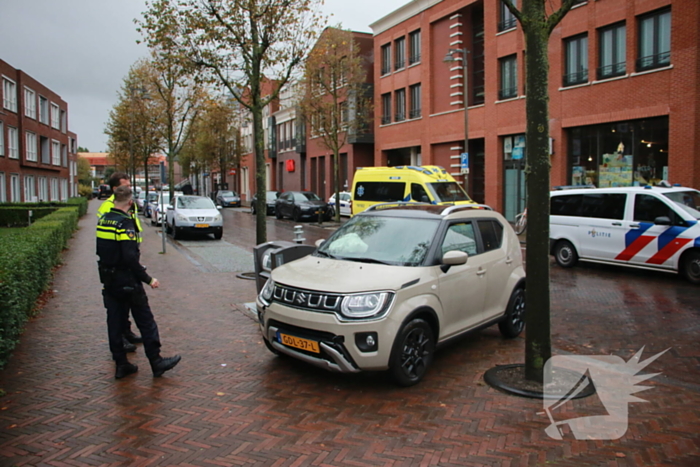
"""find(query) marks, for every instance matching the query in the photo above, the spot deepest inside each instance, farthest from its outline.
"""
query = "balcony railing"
(414, 113)
(414, 58)
(508, 93)
(399, 117)
(578, 77)
(654, 61)
(386, 119)
(610, 71)
(399, 63)
(507, 23)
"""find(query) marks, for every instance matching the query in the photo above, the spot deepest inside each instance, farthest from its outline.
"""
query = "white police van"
(644, 227)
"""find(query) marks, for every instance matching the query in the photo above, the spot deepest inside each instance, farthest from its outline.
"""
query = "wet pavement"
(231, 402)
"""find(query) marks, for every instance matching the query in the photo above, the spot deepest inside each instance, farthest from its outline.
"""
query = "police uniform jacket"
(118, 249)
(107, 206)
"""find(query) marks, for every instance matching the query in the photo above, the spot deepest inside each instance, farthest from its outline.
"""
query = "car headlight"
(365, 305)
(218, 218)
(180, 217)
(267, 291)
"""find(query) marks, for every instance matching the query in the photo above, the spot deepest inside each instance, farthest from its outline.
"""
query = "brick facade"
(668, 92)
(45, 169)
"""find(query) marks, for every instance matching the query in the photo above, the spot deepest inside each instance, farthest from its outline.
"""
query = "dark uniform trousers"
(118, 303)
(123, 277)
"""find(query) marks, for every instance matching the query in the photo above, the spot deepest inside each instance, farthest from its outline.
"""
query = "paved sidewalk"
(230, 402)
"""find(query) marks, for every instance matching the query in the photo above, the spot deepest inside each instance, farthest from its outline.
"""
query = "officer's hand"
(154, 283)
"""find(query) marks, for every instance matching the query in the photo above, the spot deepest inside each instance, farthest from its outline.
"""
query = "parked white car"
(345, 203)
(157, 215)
(393, 283)
(194, 214)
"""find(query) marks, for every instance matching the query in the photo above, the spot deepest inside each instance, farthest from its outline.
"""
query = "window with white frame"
(54, 189)
(43, 189)
(43, 110)
(64, 125)
(15, 196)
(55, 152)
(29, 189)
(30, 140)
(612, 56)
(414, 47)
(55, 116)
(64, 155)
(576, 60)
(12, 143)
(29, 103)
(64, 189)
(3, 188)
(654, 40)
(9, 94)
(2, 139)
(509, 77)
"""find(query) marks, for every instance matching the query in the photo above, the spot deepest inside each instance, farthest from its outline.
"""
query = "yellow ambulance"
(426, 184)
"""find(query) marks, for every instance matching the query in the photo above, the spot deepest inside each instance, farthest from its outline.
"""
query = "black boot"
(129, 347)
(160, 365)
(125, 369)
(133, 338)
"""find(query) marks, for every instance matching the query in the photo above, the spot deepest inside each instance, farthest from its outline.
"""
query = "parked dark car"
(270, 200)
(300, 205)
(226, 198)
(95, 191)
(105, 192)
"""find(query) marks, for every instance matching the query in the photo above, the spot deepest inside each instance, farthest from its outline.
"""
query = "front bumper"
(193, 229)
(339, 351)
(232, 204)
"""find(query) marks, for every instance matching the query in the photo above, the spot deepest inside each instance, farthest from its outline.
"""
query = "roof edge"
(401, 14)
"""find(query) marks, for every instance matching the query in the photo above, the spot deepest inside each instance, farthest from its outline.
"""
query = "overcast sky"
(82, 49)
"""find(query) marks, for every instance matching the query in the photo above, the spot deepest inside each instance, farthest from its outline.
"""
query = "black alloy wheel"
(413, 353)
(513, 322)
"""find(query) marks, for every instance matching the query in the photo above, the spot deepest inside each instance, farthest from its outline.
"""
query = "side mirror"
(319, 242)
(453, 258)
(170, 207)
(662, 220)
(218, 207)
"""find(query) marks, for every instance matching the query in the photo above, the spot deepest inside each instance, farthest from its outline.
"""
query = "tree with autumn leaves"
(239, 45)
(336, 101)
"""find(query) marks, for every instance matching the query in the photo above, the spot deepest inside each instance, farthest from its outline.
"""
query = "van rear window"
(380, 191)
(600, 205)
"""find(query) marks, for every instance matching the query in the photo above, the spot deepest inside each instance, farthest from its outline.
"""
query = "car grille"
(307, 299)
(201, 219)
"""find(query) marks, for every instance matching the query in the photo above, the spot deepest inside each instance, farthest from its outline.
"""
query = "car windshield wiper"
(326, 254)
(368, 260)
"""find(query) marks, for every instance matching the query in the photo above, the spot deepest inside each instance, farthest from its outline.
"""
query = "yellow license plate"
(201, 226)
(299, 343)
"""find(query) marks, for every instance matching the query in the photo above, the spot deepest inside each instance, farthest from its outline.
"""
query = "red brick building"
(623, 86)
(37, 152)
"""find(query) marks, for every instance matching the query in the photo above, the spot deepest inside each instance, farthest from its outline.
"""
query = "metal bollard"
(298, 234)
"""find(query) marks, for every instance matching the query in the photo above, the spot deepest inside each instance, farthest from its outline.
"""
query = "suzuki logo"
(300, 298)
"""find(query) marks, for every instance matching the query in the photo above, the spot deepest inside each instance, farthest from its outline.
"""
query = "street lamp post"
(450, 58)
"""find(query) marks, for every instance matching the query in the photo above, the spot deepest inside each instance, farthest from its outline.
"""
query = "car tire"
(565, 254)
(218, 234)
(412, 353)
(690, 267)
(252, 208)
(168, 229)
(177, 233)
(513, 322)
(296, 215)
(278, 214)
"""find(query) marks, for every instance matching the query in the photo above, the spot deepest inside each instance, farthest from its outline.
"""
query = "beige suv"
(391, 285)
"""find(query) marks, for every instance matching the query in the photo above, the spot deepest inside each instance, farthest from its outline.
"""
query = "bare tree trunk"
(538, 345)
(336, 169)
(261, 207)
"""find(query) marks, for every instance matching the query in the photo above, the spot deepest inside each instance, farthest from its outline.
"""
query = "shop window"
(576, 60)
(506, 19)
(509, 77)
(612, 51)
(654, 41)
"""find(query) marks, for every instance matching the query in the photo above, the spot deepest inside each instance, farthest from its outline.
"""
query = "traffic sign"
(464, 162)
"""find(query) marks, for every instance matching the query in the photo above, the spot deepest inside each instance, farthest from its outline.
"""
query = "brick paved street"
(231, 402)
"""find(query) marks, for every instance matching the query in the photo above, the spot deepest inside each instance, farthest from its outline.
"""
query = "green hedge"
(27, 258)
(17, 214)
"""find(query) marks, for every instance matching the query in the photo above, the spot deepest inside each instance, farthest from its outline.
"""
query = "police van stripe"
(669, 235)
(635, 247)
(669, 250)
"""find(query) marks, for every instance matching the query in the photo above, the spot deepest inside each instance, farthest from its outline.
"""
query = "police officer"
(122, 179)
(123, 277)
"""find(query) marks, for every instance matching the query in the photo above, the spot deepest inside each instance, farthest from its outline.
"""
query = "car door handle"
(508, 260)
(481, 272)
(617, 224)
(634, 226)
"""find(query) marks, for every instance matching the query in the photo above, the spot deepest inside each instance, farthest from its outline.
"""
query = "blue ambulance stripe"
(634, 234)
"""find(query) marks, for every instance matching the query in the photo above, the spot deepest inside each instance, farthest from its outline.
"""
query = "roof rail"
(396, 203)
(458, 207)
